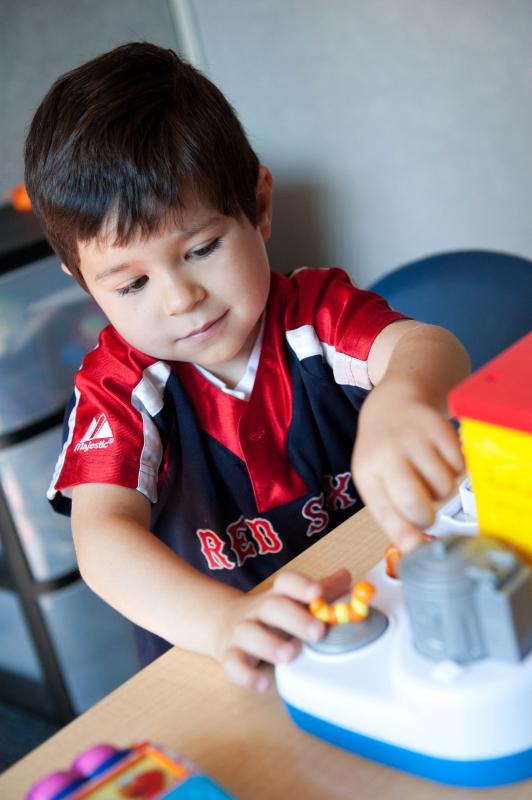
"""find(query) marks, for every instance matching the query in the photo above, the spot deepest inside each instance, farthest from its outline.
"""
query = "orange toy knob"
(339, 613)
(361, 597)
(364, 591)
(319, 609)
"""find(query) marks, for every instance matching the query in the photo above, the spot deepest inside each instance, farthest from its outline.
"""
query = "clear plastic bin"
(25, 473)
(47, 325)
(3, 565)
(17, 653)
(94, 645)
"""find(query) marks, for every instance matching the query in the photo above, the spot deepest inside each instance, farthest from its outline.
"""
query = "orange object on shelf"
(19, 198)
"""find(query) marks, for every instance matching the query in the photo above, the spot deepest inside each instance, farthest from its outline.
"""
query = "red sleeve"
(344, 316)
(328, 315)
(112, 437)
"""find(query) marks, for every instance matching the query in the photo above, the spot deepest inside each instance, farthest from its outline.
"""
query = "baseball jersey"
(238, 487)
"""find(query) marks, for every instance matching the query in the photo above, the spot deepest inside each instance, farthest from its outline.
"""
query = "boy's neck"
(232, 371)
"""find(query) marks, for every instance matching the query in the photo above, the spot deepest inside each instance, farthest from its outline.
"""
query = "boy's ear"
(66, 269)
(264, 202)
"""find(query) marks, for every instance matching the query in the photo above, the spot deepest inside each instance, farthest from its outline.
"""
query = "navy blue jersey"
(238, 487)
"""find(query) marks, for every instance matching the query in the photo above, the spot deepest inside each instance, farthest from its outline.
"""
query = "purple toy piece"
(49, 787)
(88, 762)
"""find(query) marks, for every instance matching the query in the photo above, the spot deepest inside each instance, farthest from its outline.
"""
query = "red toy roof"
(500, 392)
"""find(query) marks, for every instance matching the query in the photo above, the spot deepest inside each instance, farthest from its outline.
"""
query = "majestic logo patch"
(98, 435)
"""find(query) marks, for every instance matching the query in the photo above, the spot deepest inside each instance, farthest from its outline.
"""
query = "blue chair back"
(484, 298)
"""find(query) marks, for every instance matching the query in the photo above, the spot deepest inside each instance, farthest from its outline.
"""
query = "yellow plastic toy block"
(495, 410)
(499, 461)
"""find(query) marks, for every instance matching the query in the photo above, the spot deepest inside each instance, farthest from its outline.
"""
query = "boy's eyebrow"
(184, 233)
(192, 230)
(110, 271)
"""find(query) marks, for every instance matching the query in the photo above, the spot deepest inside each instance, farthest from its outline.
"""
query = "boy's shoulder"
(324, 305)
(317, 284)
(310, 286)
(315, 290)
(307, 277)
(113, 355)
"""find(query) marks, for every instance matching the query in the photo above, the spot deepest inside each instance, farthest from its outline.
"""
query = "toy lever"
(392, 557)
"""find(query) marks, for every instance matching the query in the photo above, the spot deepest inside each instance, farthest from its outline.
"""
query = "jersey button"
(256, 436)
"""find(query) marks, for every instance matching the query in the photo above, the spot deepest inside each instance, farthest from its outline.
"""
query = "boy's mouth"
(205, 331)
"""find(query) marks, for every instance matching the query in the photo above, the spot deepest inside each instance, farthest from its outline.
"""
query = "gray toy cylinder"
(439, 595)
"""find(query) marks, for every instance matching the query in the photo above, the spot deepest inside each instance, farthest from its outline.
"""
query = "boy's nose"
(179, 296)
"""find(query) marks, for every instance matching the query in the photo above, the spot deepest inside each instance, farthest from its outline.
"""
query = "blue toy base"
(465, 774)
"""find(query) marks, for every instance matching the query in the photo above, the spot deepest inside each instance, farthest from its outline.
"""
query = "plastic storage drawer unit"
(61, 647)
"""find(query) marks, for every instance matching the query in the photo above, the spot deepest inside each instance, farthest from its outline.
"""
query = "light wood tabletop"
(244, 741)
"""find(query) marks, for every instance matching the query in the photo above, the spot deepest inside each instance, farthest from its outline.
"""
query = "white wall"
(394, 128)
(41, 39)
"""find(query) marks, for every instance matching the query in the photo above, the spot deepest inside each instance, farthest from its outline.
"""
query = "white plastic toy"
(458, 515)
(441, 689)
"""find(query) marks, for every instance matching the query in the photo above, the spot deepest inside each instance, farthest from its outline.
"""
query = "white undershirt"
(244, 387)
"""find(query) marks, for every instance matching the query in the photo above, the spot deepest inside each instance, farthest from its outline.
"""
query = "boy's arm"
(407, 454)
(132, 570)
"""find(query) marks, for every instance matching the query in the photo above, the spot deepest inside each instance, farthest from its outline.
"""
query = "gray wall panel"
(394, 128)
(40, 40)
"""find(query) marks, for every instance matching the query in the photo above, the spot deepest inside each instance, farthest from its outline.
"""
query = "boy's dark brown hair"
(128, 135)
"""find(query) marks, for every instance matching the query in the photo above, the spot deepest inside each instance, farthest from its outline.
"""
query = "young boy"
(211, 433)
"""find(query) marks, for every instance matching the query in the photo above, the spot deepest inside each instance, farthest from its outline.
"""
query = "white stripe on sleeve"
(51, 493)
(347, 370)
(147, 398)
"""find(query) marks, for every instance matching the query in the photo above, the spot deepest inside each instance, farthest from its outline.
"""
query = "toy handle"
(60, 785)
(56, 784)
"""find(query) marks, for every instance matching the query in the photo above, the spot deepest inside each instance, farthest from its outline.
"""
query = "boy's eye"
(205, 250)
(136, 286)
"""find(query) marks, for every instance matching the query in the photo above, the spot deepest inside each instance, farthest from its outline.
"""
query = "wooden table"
(245, 741)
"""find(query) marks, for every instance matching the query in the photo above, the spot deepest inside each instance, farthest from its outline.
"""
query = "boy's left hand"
(270, 625)
(407, 457)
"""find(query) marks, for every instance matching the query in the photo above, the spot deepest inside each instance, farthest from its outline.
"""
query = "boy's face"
(195, 292)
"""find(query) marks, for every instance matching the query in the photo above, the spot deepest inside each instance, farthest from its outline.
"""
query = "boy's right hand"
(271, 625)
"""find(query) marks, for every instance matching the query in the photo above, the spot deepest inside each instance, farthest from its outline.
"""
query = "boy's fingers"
(451, 452)
(447, 441)
(296, 586)
(303, 589)
(241, 668)
(398, 529)
(283, 613)
(262, 643)
(332, 586)
(433, 470)
(408, 496)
